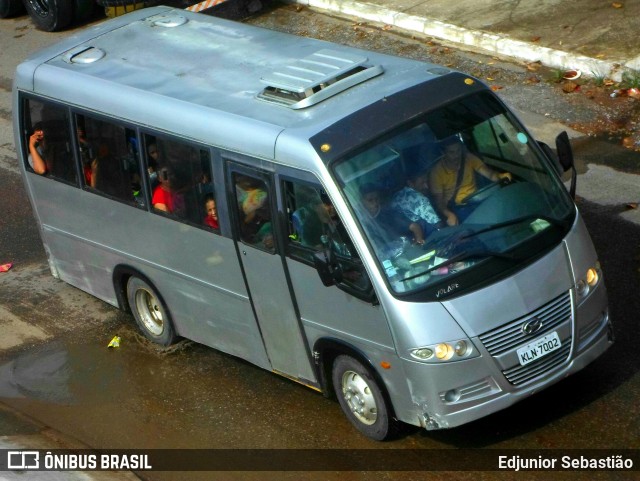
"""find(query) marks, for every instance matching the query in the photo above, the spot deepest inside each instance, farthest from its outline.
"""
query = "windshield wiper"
(517, 220)
(460, 257)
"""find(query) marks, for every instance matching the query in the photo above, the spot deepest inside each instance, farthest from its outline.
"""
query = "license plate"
(539, 348)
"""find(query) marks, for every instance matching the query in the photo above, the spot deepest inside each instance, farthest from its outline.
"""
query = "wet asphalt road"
(137, 396)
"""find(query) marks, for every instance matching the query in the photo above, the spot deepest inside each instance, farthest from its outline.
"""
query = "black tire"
(150, 312)
(83, 10)
(51, 15)
(362, 400)
(11, 8)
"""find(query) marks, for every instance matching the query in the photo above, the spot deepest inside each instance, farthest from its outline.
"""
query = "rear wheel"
(150, 312)
(51, 15)
(361, 399)
(10, 8)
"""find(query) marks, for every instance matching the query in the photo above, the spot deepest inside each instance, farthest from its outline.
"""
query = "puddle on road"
(42, 374)
(605, 150)
(65, 373)
(140, 396)
(59, 373)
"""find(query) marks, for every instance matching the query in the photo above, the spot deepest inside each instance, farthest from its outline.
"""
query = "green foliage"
(631, 79)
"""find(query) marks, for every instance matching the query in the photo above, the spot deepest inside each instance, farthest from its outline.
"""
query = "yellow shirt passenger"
(444, 184)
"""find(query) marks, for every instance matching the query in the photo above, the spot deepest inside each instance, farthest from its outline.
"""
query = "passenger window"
(109, 155)
(48, 141)
(254, 211)
(314, 222)
(181, 181)
(315, 226)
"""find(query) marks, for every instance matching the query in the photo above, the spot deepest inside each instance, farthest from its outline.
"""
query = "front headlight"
(444, 351)
(589, 281)
(592, 277)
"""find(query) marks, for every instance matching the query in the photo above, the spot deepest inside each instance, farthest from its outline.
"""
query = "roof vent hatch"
(315, 78)
(84, 55)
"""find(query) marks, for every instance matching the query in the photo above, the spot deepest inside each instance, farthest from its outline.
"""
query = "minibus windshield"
(463, 191)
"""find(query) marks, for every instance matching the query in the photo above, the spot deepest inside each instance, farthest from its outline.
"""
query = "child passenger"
(211, 219)
(385, 224)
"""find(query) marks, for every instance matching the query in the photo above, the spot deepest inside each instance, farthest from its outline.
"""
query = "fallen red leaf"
(634, 93)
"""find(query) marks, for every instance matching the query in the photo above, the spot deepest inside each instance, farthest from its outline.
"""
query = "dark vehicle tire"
(150, 312)
(362, 400)
(11, 8)
(114, 3)
(83, 10)
(51, 15)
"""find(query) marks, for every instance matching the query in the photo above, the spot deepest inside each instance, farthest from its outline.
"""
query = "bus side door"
(252, 199)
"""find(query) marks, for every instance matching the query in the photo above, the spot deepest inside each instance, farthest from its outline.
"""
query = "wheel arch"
(121, 275)
(327, 349)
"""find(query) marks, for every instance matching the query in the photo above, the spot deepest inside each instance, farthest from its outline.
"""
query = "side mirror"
(565, 153)
(565, 156)
(328, 267)
(548, 151)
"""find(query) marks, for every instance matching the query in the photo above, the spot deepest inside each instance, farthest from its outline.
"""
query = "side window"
(495, 139)
(313, 222)
(252, 199)
(181, 181)
(314, 226)
(109, 156)
(48, 141)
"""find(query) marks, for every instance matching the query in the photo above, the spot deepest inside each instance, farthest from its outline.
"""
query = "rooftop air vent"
(439, 70)
(169, 21)
(315, 78)
(83, 55)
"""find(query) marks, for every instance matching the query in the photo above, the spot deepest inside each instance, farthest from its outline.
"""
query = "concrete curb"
(493, 43)
(33, 434)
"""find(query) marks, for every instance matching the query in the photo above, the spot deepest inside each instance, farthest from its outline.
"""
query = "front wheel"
(361, 399)
(51, 15)
(150, 312)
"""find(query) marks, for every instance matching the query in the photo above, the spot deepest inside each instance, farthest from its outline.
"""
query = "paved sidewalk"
(19, 432)
(597, 37)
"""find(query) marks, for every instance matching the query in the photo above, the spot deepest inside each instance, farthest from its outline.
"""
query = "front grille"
(509, 336)
(521, 374)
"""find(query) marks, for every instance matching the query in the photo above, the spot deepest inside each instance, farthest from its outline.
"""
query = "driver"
(452, 180)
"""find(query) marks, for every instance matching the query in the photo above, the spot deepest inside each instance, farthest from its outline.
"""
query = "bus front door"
(252, 198)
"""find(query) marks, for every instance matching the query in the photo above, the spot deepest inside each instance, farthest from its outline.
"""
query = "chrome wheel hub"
(150, 312)
(359, 397)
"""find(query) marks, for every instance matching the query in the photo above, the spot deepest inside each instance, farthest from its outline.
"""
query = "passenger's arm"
(441, 204)
(416, 230)
(39, 165)
(94, 173)
(489, 173)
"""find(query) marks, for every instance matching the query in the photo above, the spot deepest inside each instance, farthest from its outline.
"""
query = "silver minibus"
(379, 229)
